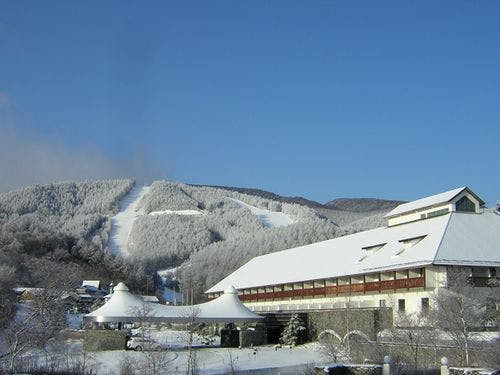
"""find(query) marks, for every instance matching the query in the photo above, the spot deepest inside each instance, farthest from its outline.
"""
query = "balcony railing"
(370, 287)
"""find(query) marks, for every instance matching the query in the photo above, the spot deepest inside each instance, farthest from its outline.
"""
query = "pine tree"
(291, 333)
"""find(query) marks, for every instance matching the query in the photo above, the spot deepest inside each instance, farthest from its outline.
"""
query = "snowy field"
(122, 222)
(212, 361)
(209, 359)
(269, 219)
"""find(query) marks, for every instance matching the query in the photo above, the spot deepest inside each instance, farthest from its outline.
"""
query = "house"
(27, 294)
(401, 265)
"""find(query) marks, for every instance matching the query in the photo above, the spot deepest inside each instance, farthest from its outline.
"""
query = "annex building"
(401, 265)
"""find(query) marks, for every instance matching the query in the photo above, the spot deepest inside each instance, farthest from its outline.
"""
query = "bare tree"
(231, 363)
(411, 333)
(192, 361)
(461, 308)
(40, 319)
(144, 315)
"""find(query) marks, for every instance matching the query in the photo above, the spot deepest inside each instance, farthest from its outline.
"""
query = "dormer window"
(369, 250)
(464, 204)
(407, 243)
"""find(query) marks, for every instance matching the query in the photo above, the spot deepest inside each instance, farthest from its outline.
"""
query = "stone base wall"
(368, 321)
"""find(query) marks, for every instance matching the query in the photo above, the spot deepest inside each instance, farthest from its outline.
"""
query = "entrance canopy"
(124, 307)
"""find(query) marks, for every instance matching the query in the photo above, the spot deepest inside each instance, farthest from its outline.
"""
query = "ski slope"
(269, 219)
(122, 222)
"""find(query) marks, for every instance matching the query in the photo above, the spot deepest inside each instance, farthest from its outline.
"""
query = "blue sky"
(323, 99)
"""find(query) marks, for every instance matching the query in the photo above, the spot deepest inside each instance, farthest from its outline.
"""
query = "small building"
(25, 294)
(401, 265)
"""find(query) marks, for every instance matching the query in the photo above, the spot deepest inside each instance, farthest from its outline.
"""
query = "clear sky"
(323, 99)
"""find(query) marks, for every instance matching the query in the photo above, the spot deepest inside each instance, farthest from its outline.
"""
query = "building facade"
(402, 265)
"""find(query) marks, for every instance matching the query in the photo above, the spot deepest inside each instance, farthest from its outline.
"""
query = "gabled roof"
(433, 200)
(454, 238)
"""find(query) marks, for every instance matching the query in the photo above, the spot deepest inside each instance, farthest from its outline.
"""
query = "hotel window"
(381, 303)
(401, 305)
(425, 306)
(441, 212)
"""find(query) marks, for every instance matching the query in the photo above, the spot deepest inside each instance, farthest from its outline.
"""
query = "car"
(140, 344)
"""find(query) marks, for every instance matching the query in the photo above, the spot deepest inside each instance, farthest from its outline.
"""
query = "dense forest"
(60, 229)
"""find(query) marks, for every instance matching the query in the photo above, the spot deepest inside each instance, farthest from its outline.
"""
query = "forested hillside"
(59, 228)
(221, 238)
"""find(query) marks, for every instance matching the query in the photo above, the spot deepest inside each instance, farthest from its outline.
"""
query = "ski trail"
(122, 222)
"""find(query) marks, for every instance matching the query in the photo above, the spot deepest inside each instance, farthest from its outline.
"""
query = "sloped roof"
(433, 200)
(471, 239)
(124, 306)
(454, 238)
(341, 256)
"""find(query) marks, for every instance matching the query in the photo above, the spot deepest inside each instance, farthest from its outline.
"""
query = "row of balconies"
(335, 290)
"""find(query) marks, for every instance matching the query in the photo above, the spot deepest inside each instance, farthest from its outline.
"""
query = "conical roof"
(124, 306)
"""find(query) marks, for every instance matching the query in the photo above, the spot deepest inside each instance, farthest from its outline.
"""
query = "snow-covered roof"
(21, 289)
(126, 307)
(438, 239)
(150, 299)
(433, 200)
(471, 239)
(91, 283)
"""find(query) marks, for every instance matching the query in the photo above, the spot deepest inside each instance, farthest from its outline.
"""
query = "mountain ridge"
(342, 204)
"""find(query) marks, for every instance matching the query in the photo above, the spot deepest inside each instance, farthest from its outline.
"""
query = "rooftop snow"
(471, 239)
(426, 202)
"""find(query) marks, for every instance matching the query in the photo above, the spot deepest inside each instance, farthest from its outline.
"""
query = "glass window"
(425, 306)
(465, 204)
(401, 305)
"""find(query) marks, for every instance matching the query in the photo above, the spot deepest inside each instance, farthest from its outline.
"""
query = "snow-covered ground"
(213, 361)
(270, 219)
(210, 359)
(122, 222)
(179, 212)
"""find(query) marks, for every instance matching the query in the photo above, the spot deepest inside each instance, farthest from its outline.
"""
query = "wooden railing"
(376, 286)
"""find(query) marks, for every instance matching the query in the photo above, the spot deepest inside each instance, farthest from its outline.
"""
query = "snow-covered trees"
(292, 333)
(222, 238)
(65, 224)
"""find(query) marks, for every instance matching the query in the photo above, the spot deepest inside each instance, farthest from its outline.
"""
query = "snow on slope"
(270, 219)
(179, 212)
(122, 222)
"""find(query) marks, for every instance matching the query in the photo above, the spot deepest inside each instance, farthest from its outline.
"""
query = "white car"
(139, 344)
